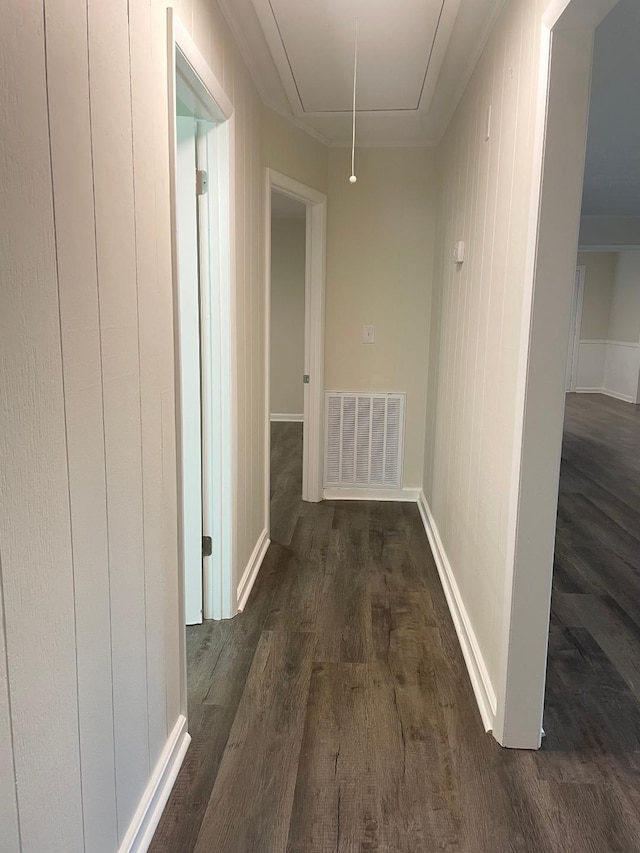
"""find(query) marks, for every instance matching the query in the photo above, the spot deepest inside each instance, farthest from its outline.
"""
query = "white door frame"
(190, 77)
(188, 321)
(560, 137)
(314, 292)
(574, 329)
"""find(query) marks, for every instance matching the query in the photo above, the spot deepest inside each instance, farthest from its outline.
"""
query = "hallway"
(335, 713)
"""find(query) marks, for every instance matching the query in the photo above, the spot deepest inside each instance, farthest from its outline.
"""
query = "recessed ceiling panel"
(395, 41)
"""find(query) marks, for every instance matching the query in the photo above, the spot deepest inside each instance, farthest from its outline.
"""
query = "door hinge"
(306, 378)
(207, 546)
(202, 182)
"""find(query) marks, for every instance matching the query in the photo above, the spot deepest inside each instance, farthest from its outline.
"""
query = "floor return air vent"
(364, 440)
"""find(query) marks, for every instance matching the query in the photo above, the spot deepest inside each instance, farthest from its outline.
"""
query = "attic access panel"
(312, 43)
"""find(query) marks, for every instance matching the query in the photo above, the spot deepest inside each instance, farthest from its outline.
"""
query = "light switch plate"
(368, 334)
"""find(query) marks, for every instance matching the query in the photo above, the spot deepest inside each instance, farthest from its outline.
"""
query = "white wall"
(609, 353)
(379, 262)
(485, 188)
(88, 510)
(288, 240)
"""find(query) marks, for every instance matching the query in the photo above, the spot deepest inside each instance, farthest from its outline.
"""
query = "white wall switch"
(458, 252)
(368, 334)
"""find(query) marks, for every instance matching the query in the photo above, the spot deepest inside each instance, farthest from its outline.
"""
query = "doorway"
(297, 294)
(201, 233)
(288, 252)
(562, 107)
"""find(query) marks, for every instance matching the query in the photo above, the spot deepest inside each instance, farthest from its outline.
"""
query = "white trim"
(198, 73)
(351, 493)
(251, 571)
(315, 266)
(191, 77)
(624, 397)
(478, 673)
(284, 417)
(149, 811)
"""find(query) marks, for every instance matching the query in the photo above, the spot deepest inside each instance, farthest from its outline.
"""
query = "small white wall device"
(458, 252)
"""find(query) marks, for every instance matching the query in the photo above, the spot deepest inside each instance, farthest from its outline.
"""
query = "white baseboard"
(288, 418)
(478, 673)
(154, 799)
(353, 494)
(616, 396)
(253, 567)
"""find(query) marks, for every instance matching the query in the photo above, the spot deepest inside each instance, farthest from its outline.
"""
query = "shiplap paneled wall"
(90, 684)
(88, 518)
(484, 200)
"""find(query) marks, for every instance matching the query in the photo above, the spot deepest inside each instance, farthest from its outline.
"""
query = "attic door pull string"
(353, 178)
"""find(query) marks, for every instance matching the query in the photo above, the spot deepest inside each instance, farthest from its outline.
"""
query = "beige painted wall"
(624, 321)
(599, 279)
(485, 189)
(611, 306)
(379, 269)
(287, 315)
(292, 152)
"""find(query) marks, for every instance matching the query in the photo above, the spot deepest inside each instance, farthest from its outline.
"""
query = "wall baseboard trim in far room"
(253, 567)
(478, 673)
(154, 799)
(626, 398)
(284, 417)
(355, 494)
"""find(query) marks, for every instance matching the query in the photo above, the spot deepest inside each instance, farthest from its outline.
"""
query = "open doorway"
(567, 659)
(201, 219)
(288, 264)
(295, 238)
(594, 637)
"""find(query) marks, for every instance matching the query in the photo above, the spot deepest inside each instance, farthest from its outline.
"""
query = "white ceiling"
(283, 207)
(612, 171)
(414, 59)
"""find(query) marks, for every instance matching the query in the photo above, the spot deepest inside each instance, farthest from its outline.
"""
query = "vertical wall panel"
(117, 283)
(151, 343)
(166, 576)
(37, 571)
(67, 74)
(485, 198)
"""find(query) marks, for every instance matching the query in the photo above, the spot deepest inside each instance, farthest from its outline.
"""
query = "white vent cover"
(364, 439)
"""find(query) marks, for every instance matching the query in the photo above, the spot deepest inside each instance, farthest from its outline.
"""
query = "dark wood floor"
(286, 480)
(335, 713)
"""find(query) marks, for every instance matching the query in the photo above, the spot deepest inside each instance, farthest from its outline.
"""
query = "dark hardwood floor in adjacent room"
(335, 713)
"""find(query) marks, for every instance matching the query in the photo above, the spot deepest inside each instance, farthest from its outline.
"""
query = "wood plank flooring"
(335, 713)
(286, 480)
